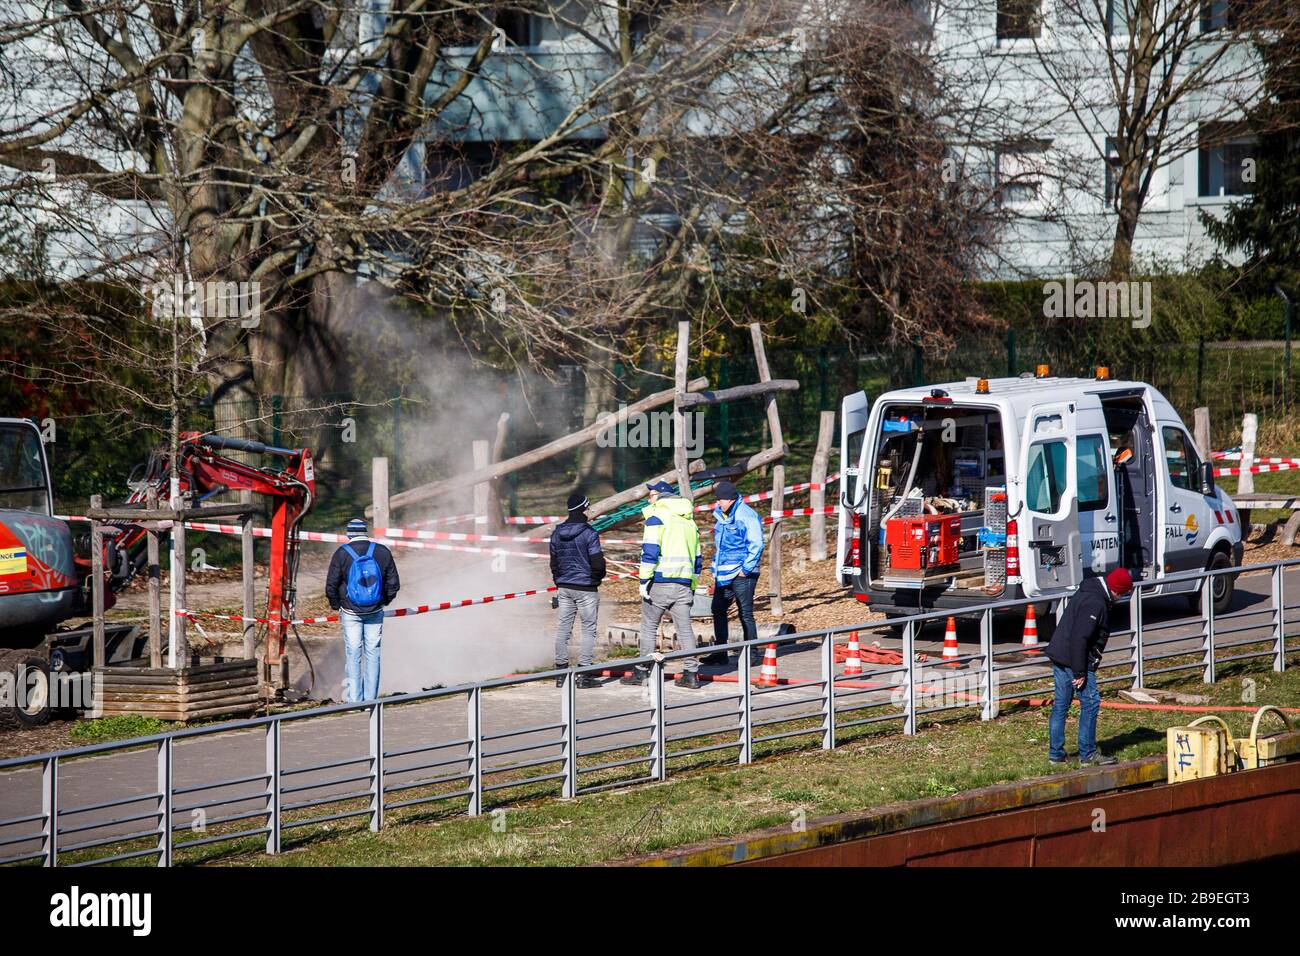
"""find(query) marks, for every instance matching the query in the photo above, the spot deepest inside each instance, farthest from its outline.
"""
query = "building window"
(1225, 161)
(1019, 19)
(1112, 172)
(450, 167)
(552, 21)
(1222, 14)
(1022, 175)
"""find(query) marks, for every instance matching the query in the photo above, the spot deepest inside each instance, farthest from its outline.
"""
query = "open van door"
(1049, 515)
(855, 410)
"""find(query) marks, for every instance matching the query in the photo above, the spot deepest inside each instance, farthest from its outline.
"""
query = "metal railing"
(580, 751)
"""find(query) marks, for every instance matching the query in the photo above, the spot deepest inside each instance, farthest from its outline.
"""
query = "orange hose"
(1188, 708)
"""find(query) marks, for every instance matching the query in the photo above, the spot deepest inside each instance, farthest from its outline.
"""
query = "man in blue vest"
(362, 580)
(737, 551)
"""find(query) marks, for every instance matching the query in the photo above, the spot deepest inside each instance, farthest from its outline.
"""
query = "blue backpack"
(365, 581)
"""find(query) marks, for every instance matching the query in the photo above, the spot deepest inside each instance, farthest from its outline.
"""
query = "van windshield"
(22, 471)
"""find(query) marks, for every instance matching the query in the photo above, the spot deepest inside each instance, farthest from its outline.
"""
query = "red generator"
(923, 542)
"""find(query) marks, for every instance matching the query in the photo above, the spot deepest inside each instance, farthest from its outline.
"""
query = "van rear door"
(855, 410)
(1049, 517)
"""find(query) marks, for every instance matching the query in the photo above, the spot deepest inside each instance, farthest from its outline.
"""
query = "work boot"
(559, 681)
(689, 679)
(588, 680)
(1097, 759)
(717, 657)
(636, 676)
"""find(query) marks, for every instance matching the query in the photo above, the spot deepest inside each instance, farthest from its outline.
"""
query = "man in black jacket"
(1075, 651)
(577, 567)
(363, 623)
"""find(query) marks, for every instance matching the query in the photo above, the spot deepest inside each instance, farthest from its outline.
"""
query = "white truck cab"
(992, 489)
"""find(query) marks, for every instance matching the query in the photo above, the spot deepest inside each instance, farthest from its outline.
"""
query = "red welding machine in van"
(926, 541)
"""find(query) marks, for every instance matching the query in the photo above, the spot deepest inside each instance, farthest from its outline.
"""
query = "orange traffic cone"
(853, 663)
(950, 651)
(767, 673)
(1029, 642)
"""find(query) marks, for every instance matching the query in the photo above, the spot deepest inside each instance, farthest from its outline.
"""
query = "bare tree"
(1144, 82)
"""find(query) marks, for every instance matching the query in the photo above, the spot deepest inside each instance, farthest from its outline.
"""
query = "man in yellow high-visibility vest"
(670, 569)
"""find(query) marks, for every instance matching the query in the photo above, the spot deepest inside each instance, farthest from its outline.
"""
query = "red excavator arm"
(204, 473)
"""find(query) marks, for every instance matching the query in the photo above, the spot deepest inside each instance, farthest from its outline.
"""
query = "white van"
(1040, 481)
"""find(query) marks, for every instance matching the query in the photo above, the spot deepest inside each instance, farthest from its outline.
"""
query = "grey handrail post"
(1135, 622)
(474, 719)
(1279, 621)
(828, 675)
(377, 766)
(165, 802)
(746, 712)
(989, 709)
(658, 756)
(50, 808)
(909, 656)
(569, 717)
(1207, 610)
(273, 786)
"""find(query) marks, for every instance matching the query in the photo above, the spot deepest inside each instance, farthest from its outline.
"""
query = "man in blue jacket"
(577, 567)
(362, 580)
(737, 551)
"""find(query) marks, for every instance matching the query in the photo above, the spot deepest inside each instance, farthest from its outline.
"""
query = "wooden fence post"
(379, 490)
(1201, 432)
(679, 416)
(1245, 480)
(482, 452)
(97, 581)
(495, 517)
(817, 499)
(153, 571)
(778, 471)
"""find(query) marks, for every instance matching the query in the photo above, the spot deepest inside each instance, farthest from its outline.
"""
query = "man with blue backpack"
(361, 582)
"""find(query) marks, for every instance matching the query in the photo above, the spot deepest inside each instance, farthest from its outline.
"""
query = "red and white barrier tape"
(798, 513)
(391, 612)
(541, 519)
(1257, 469)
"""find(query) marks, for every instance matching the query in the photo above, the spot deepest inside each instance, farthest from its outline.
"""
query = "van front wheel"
(1222, 584)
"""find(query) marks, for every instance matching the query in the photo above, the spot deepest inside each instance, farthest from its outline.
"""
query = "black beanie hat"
(578, 501)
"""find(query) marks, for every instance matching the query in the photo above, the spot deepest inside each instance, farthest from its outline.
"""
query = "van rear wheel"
(1222, 584)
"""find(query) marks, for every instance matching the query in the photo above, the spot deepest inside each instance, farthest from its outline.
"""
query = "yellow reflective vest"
(670, 546)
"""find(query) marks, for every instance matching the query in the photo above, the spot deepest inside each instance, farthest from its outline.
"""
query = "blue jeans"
(741, 590)
(1089, 705)
(361, 636)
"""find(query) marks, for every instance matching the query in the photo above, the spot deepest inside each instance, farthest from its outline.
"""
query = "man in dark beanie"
(362, 580)
(577, 567)
(737, 551)
(1075, 652)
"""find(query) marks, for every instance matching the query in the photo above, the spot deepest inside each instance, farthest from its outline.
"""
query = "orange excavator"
(45, 571)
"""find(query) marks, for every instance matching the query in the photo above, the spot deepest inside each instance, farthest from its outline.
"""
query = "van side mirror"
(1207, 479)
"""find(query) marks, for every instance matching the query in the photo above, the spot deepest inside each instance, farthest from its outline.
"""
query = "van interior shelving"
(940, 460)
